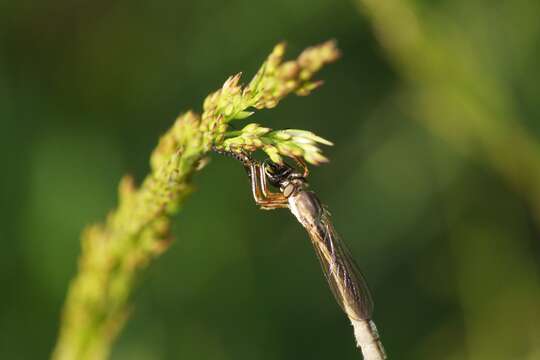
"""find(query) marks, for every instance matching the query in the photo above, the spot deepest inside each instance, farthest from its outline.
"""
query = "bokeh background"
(434, 181)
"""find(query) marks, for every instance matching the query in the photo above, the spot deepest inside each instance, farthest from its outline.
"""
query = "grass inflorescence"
(115, 252)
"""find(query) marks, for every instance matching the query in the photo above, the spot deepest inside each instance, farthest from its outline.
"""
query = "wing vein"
(342, 274)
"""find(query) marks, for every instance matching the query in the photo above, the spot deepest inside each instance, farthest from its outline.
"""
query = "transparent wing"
(345, 279)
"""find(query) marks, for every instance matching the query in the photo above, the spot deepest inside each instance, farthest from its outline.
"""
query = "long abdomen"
(344, 278)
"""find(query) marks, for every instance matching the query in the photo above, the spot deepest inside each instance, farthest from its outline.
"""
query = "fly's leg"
(303, 165)
(266, 199)
(240, 155)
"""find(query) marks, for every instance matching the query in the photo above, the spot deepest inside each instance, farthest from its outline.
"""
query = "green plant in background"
(455, 94)
(114, 253)
(454, 88)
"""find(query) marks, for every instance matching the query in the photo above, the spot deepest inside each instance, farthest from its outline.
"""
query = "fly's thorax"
(306, 207)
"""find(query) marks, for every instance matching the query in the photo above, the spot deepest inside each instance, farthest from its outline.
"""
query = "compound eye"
(288, 190)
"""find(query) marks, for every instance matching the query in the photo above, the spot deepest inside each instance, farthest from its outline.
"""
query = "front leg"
(266, 199)
(263, 197)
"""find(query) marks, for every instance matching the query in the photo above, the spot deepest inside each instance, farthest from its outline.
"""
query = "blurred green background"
(434, 181)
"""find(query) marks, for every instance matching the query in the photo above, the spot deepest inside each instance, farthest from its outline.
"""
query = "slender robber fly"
(346, 281)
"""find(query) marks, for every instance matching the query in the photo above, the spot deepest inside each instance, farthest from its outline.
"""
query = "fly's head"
(284, 177)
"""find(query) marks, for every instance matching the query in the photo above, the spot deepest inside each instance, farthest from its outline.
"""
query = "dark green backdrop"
(449, 246)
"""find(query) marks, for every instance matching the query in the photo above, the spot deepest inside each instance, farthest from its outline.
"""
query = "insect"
(345, 280)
